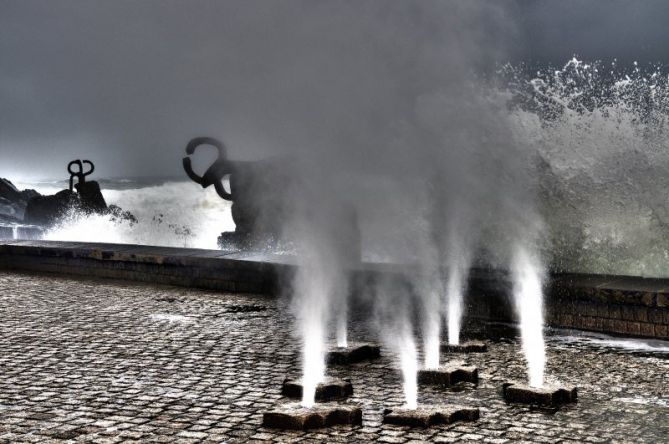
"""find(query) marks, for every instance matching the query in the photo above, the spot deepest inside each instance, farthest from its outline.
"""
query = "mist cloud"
(126, 83)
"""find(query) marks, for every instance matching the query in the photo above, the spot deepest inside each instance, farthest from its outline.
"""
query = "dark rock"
(448, 375)
(10, 211)
(13, 202)
(118, 214)
(545, 396)
(328, 390)
(295, 417)
(29, 194)
(28, 210)
(354, 352)
(48, 210)
(9, 191)
(430, 415)
(90, 197)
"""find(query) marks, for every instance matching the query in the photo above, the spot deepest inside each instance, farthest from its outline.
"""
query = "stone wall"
(630, 306)
(172, 266)
(609, 304)
(626, 305)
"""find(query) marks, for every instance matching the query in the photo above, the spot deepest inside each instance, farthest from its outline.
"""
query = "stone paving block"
(465, 347)
(448, 375)
(294, 416)
(429, 415)
(546, 396)
(354, 352)
(328, 390)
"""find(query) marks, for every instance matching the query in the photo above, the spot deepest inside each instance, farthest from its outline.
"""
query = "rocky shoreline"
(27, 214)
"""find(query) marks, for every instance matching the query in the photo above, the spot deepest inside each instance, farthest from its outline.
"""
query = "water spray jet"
(527, 294)
(329, 389)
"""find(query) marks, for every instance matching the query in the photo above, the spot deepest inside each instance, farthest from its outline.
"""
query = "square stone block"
(448, 375)
(294, 416)
(426, 416)
(328, 390)
(545, 396)
(465, 347)
(354, 352)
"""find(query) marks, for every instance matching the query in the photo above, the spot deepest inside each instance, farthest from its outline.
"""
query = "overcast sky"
(127, 83)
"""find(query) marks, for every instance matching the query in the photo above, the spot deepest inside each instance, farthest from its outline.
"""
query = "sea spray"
(171, 214)
(601, 135)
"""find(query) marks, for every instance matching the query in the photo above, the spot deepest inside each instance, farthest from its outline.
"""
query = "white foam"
(175, 214)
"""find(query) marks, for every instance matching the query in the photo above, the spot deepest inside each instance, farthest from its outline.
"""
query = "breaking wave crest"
(602, 139)
(174, 214)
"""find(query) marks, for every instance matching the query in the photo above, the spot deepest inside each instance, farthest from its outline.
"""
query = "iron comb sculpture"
(218, 170)
(80, 174)
(256, 203)
(50, 210)
(260, 192)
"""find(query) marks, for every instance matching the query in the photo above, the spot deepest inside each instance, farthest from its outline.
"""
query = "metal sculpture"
(218, 170)
(253, 184)
(81, 174)
(261, 193)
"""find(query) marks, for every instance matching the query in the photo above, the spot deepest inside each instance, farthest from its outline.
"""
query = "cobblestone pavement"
(103, 361)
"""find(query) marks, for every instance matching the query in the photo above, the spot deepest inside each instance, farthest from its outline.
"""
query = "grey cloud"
(127, 83)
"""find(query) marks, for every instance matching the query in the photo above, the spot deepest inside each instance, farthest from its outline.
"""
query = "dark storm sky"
(126, 83)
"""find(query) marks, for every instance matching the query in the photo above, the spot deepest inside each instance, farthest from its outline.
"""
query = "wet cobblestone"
(108, 362)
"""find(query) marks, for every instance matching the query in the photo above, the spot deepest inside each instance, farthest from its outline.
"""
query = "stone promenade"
(106, 362)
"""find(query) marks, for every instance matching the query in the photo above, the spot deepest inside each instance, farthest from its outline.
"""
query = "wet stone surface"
(106, 362)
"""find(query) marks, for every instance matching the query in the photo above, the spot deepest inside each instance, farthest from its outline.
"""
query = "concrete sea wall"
(626, 305)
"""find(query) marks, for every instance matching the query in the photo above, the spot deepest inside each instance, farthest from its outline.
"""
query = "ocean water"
(601, 138)
(170, 212)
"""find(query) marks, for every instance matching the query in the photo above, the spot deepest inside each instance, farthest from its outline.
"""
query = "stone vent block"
(448, 375)
(465, 347)
(545, 396)
(328, 390)
(293, 416)
(427, 416)
(354, 352)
